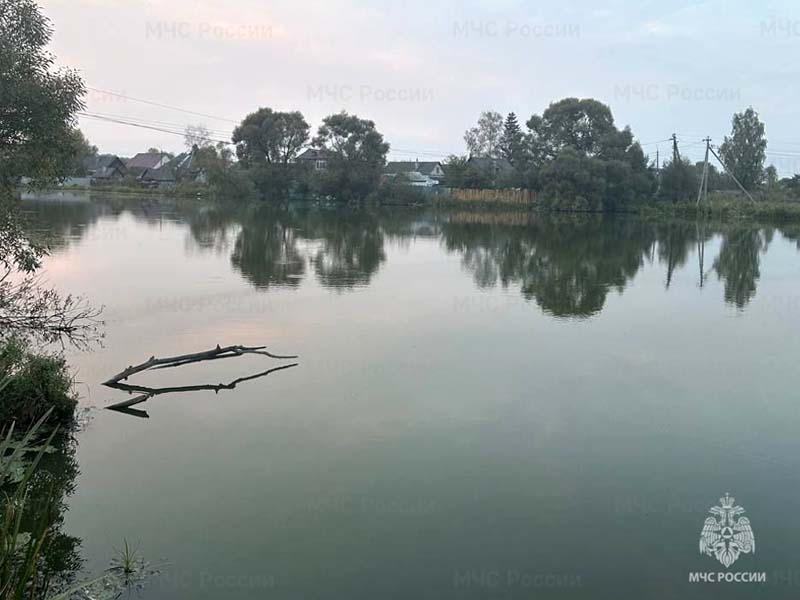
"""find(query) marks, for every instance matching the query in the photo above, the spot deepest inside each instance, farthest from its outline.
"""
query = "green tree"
(582, 124)
(38, 102)
(578, 159)
(356, 157)
(679, 181)
(460, 173)
(744, 151)
(511, 143)
(81, 150)
(267, 142)
(771, 177)
(270, 137)
(484, 139)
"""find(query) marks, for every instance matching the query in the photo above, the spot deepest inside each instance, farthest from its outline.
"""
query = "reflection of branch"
(145, 392)
(148, 392)
(178, 361)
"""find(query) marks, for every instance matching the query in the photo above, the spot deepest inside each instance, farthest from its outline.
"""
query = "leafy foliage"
(38, 102)
(578, 159)
(270, 137)
(356, 157)
(679, 181)
(744, 151)
(485, 139)
(34, 385)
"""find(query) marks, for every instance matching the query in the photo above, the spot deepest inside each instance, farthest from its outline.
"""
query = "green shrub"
(31, 384)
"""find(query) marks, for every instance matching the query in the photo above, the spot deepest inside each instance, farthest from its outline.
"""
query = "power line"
(160, 105)
(141, 120)
(142, 126)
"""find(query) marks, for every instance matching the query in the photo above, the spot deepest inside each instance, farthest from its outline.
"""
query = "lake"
(486, 405)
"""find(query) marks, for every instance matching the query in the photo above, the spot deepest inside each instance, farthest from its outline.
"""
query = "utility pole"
(702, 192)
(658, 165)
(676, 156)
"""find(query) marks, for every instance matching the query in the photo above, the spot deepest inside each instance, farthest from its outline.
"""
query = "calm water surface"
(485, 406)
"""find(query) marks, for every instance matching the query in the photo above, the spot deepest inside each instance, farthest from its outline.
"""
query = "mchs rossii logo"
(726, 536)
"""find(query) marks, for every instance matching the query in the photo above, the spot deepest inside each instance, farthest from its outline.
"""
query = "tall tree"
(270, 137)
(583, 124)
(38, 102)
(511, 142)
(484, 139)
(745, 150)
(578, 158)
(356, 156)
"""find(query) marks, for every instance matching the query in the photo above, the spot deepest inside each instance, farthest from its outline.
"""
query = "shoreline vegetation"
(774, 207)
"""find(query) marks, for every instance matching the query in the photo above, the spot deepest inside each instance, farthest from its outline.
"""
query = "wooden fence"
(509, 196)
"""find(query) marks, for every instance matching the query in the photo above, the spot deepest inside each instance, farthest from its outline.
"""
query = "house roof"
(409, 166)
(145, 160)
(314, 154)
(100, 161)
(162, 174)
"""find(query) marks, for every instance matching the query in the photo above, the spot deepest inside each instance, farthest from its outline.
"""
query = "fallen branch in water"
(148, 392)
(185, 359)
(145, 392)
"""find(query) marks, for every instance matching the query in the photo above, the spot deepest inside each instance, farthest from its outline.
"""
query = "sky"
(423, 71)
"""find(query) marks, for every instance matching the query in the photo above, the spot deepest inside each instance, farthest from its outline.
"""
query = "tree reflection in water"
(566, 264)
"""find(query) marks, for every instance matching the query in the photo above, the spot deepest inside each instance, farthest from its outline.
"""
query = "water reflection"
(739, 260)
(50, 487)
(565, 264)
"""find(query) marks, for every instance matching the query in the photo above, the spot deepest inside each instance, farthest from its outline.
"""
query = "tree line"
(575, 157)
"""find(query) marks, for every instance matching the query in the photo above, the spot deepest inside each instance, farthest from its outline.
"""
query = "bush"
(31, 384)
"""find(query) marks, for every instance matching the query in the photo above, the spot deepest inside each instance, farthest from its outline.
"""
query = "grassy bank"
(728, 207)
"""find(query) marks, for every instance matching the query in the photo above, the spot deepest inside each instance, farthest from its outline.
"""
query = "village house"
(494, 167)
(104, 168)
(317, 159)
(181, 169)
(147, 161)
(415, 173)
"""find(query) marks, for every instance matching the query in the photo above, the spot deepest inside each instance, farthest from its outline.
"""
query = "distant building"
(146, 161)
(161, 177)
(495, 167)
(182, 168)
(104, 168)
(416, 173)
(317, 159)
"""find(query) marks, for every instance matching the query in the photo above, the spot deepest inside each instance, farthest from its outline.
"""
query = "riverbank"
(728, 207)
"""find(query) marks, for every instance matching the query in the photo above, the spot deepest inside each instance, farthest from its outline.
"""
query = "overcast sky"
(423, 71)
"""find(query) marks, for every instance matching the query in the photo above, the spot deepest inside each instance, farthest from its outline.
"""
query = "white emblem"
(724, 535)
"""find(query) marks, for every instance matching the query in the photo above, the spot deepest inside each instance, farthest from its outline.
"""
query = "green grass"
(730, 207)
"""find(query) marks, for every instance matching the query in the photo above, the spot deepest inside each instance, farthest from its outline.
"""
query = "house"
(104, 168)
(494, 167)
(147, 160)
(163, 176)
(183, 168)
(416, 173)
(317, 159)
(186, 167)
